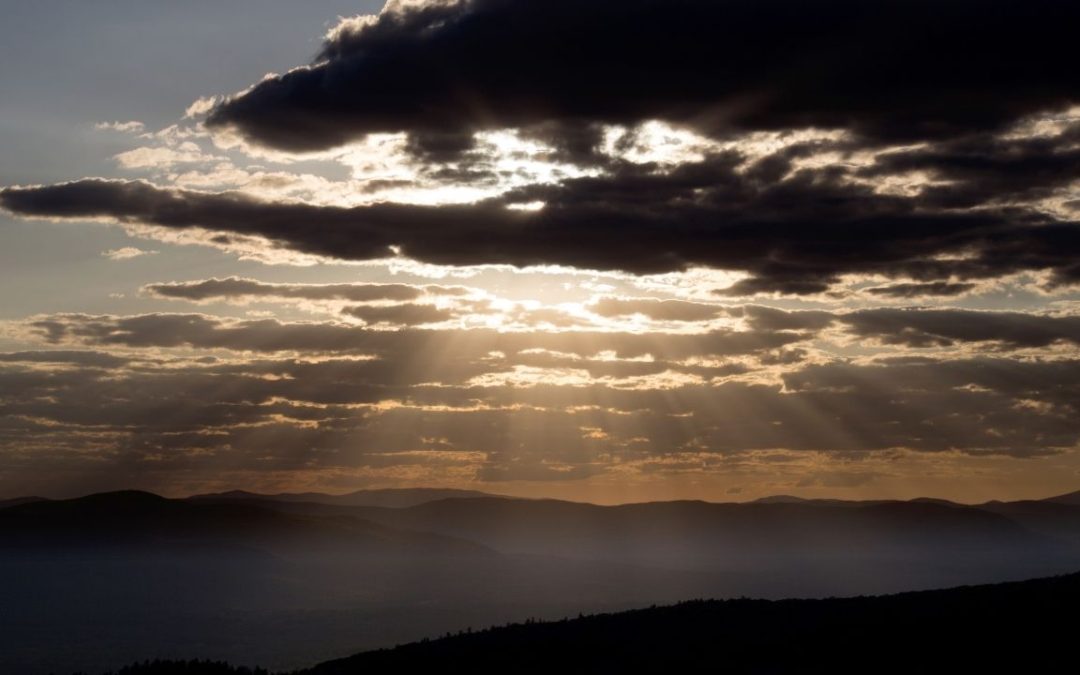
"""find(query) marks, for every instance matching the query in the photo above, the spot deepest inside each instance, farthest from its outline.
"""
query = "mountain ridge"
(386, 497)
(414, 496)
(1070, 498)
(133, 517)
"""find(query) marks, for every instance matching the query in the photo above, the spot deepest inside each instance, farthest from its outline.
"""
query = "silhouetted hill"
(706, 535)
(1072, 499)
(141, 520)
(789, 499)
(5, 503)
(1017, 627)
(194, 667)
(388, 498)
(775, 547)
(1058, 519)
(782, 499)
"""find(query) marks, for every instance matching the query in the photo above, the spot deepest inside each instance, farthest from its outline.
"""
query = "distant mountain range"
(4, 503)
(388, 498)
(144, 522)
(406, 497)
(1022, 627)
(764, 536)
(289, 580)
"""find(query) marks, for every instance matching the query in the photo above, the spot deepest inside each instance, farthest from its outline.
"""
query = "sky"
(603, 250)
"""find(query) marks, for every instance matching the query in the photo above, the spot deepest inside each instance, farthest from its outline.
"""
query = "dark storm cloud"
(891, 69)
(440, 146)
(983, 169)
(239, 288)
(797, 235)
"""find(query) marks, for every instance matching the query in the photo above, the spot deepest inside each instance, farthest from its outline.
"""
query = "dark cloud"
(770, 319)
(575, 142)
(946, 327)
(239, 288)
(922, 327)
(982, 169)
(75, 358)
(797, 235)
(779, 280)
(440, 146)
(892, 69)
(659, 310)
(931, 289)
(406, 314)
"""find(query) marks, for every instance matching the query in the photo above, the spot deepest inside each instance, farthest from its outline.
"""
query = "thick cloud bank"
(794, 231)
(888, 70)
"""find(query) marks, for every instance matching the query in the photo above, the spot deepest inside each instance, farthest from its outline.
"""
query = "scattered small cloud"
(126, 253)
(201, 106)
(129, 127)
(163, 157)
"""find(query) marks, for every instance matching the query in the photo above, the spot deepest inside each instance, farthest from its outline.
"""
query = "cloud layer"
(686, 248)
(323, 398)
(793, 230)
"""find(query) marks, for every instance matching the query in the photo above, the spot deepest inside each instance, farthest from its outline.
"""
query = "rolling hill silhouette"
(699, 533)
(142, 521)
(777, 547)
(1019, 627)
(1071, 499)
(18, 501)
(388, 498)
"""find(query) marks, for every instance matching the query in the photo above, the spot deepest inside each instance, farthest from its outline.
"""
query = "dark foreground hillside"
(1013, 627)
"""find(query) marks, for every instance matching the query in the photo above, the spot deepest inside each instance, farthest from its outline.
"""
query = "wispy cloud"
(130, 127)
(126, 253)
